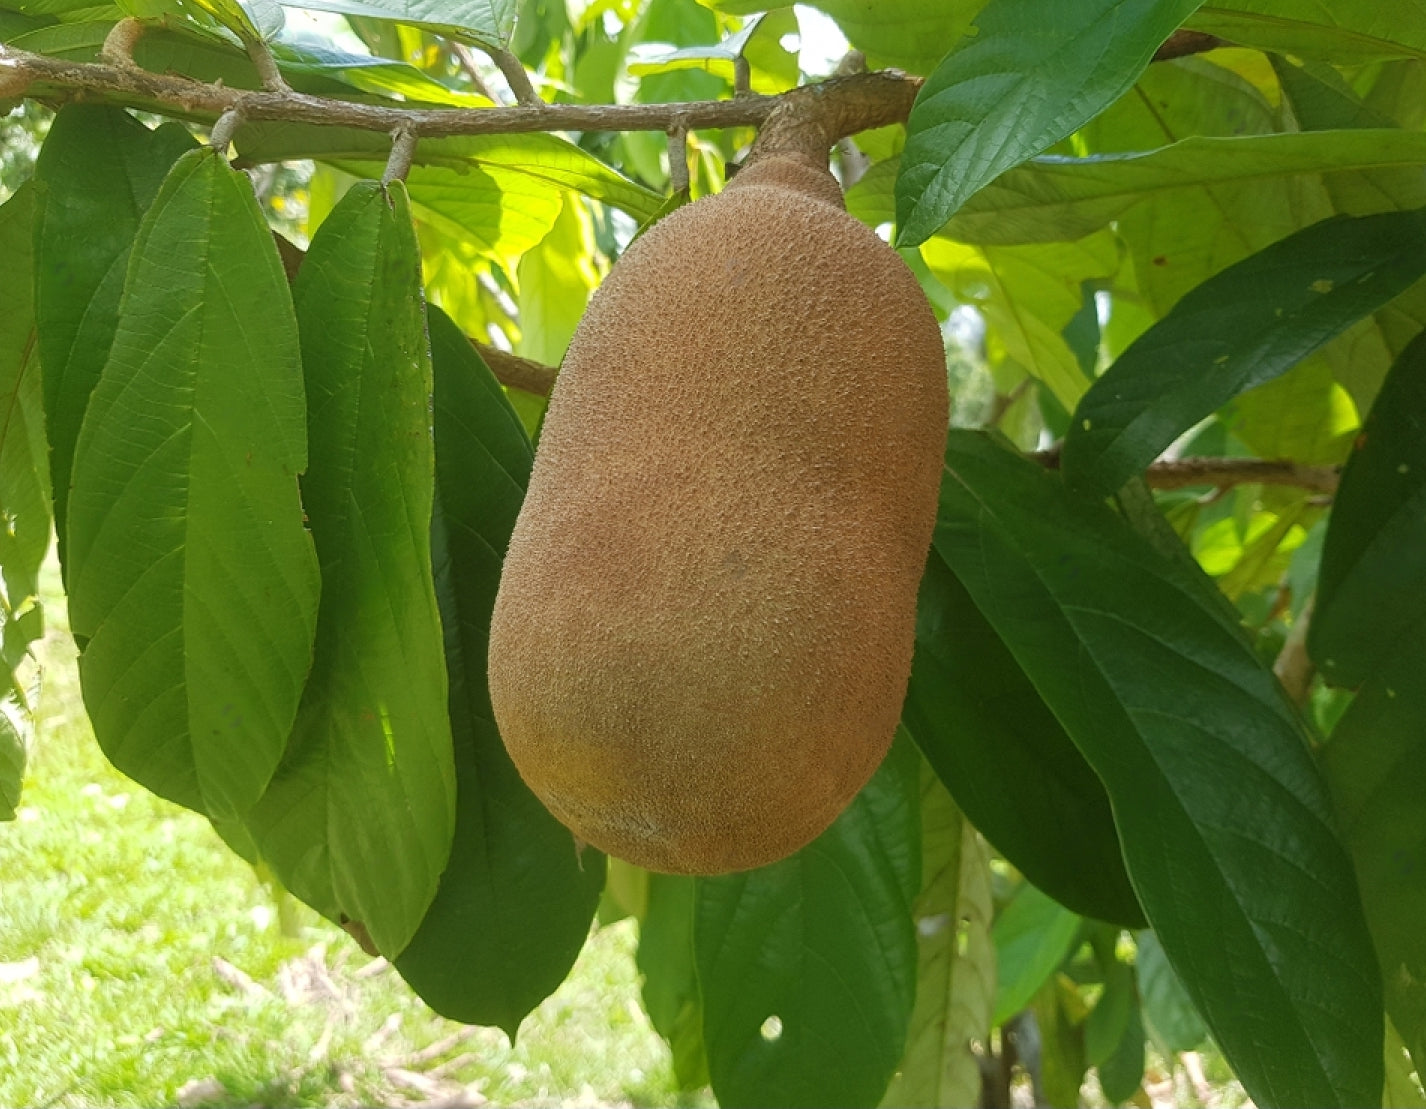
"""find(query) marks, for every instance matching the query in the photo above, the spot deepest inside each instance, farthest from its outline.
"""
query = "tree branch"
(524, 374)
(839, 106)
(1224, 473)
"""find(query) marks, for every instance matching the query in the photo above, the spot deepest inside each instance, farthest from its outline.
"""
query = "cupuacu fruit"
(703, 631)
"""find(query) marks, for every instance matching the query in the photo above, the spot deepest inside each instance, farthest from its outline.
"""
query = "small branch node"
(517, 78)
(742, 76)
(678, 156)
(403, 152)
(223, 131)
(119, 43)
(267, 71)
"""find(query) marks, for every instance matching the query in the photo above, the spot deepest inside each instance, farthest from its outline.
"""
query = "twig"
(524, 374)
(466, 60)
(518, 79)
(1293, 666)
(119, 43)
(1223, 473)
(1182, 43)
(678, 156)
(266, 65)
(840, 106)
(742, 76)
(223, 131)
(403, 149)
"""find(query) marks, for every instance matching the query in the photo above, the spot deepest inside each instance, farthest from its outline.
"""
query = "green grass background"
(142, 963)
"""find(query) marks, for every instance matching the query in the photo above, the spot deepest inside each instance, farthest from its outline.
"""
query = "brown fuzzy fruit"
(703, 632)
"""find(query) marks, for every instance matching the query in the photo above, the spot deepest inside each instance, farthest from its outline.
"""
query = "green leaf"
(1057, 198)
(1403, 1088)
(12, 764)
(24, 471)
(515, 901)
(1006, 759)
(555, 280)
(1376, 766)
(1344, 32)
(666, 961)
(1168, 1012)
(824, 942)
(1032, 74)
(99, 170)
(1033, 935)
(955, 976)
(358, 820)
(1245, 326)
(1370, 595)
(192, 583)
(1122, 1072)
(1226, 825)
(488, 22)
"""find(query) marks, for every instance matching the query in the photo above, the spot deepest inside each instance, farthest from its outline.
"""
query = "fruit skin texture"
(703, 632)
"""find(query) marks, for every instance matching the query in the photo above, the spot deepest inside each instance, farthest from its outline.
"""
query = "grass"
(141, 963)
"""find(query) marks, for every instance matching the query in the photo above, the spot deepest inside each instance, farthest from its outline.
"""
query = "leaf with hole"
(1227, 829)
(359, 818)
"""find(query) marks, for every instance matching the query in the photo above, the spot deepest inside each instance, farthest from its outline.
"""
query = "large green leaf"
(823, 942)
(1376, 766)
(1006, 759)
(99, 170)
(1034, 72)
(516, 899)
(1033, 935)
(1370, 628)
(1056, 198)
(1344, 31)
(488, 22)
(1371, 589)
(192, 584)
(24, 470)
(955, 977)
(1250, 323)
(358, 819)
(1169, 1016)
(1227, 829)
(670, 991)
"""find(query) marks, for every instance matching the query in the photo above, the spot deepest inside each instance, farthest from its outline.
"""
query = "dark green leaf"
(1168, 1012)
(191, 579)
(1345, 31)
(666, 961)
(1225, 822)
(1033, 72)
(1121, 1073)
(516, 899)
(99, 170)
(1006, 759)
(24, 470)
(1108, 1021)
(359, 818)
(824, 942)
(1245, 326)
(1371, 590)
(1033, 935)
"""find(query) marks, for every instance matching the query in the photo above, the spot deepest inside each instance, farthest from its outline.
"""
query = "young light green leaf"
(24, 469)
(955, 976)
(1226, 826)
(488, 22)
(98, 170)
(1034, 72)
(1169, 1016)
(359, 818)
(1055, 198)
(1402, 1089)
(1033, 935)
(192, 584)
(1371, 589)
(1344, 32)
(1006, 759)
(823, 942)
(670, 992)
(515, 901)
(1245, 326)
